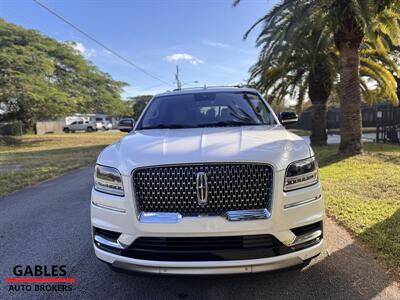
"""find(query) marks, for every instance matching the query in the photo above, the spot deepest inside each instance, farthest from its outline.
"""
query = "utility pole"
(177, 79)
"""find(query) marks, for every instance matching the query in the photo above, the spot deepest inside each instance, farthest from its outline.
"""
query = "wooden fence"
(44, 127)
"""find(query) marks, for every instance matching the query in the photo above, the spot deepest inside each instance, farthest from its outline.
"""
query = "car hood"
(261, 144)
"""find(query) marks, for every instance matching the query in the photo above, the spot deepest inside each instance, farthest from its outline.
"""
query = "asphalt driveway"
(49, 224)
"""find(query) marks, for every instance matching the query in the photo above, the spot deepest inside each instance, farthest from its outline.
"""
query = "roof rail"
(205, 87)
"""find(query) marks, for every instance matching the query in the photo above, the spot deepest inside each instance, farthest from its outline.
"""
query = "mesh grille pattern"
(230, 187)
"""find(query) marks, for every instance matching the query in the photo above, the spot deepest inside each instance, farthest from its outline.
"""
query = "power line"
(100, 43)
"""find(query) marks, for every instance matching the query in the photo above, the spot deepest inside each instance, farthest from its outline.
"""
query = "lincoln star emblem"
(202, 188)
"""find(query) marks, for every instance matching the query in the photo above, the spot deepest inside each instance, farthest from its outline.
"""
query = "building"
(56, 126)
(98, 118)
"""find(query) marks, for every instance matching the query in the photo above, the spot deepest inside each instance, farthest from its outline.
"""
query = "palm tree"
(296, 68)
(350, 22)
(309, 65)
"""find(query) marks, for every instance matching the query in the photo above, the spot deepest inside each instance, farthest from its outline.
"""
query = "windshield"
(206, 109)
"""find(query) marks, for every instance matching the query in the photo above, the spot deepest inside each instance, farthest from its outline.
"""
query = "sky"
(204, 37)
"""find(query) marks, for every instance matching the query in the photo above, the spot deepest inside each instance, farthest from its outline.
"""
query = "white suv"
(208, 181)
(80, 126)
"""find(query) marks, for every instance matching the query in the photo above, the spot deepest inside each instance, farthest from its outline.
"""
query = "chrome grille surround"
(231, 187)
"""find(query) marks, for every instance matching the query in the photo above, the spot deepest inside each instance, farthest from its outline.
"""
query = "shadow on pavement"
(345, 274)
(386, 235)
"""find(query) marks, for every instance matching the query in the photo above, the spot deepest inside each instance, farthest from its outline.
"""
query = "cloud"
(216, 44)
(132, 91)
(107, 52)
(227, 47)
(228, 69)
(184, 56)
(79, 47)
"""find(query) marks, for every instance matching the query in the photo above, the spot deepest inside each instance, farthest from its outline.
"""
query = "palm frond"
(385, 80)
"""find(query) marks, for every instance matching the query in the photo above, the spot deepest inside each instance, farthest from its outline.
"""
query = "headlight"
(108, 180)
(300, 174)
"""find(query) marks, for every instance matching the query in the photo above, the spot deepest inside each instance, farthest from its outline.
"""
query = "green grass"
(30, 159)
(363, 194)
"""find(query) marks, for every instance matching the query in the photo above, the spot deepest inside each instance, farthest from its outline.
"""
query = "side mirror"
(288, 117)
(126, 125)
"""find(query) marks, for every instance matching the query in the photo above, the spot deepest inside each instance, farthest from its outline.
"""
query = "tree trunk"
(319, 122)
(348, 39)
(319, 90)
(350, 100)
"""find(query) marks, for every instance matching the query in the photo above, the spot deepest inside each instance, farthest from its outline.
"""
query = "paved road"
(335, 138)
(49, 224)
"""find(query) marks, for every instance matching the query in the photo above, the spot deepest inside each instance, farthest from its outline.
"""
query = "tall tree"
(138, 104)
(290, 66)
(306, 60)
(350, 22)
(42, 78)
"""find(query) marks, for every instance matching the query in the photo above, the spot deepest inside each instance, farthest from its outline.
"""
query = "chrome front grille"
(230, 187)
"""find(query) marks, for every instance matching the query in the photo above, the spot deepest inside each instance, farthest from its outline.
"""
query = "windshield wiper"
(230, 123)
(169, 126)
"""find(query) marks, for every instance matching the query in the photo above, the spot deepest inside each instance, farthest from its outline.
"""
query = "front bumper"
(210, 267)
(289, 210)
